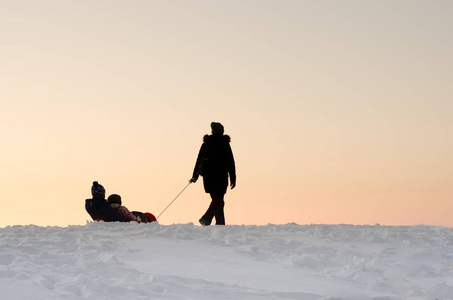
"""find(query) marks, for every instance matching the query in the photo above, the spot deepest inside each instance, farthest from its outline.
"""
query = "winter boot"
(204, 222)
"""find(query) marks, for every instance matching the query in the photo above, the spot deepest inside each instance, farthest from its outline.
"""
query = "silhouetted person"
(215, 162)
(99, 209)
(115, 202)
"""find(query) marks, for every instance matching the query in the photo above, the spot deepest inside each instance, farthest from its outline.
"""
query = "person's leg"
(216, 204)
(219, 215)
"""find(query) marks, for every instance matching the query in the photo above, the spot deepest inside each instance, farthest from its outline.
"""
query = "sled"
(145, 217)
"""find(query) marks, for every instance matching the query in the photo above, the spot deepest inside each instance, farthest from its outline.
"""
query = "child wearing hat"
(99, 209)
(115, 202)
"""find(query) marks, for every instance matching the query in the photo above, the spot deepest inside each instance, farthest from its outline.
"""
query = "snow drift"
(183, 261)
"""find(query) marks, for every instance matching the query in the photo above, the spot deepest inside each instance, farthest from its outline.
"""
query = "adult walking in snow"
(215, 162)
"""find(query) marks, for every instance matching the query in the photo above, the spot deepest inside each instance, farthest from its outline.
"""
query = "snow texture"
(183, 261)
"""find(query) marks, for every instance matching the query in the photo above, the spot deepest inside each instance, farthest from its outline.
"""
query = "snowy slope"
(183, 261)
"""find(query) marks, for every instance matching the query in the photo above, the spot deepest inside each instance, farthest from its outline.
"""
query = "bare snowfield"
(183, 261)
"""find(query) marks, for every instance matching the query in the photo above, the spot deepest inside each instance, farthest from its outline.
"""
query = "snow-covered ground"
(183, 261)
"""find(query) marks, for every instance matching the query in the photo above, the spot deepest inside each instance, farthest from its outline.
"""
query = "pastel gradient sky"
(339, 111)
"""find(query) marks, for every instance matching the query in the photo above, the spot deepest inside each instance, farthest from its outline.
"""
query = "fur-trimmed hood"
(216, 138)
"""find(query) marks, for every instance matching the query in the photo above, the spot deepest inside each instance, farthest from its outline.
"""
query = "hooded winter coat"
(215, 162)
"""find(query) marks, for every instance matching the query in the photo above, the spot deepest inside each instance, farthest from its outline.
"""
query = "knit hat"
(114, 198)
(217, 128)
(97, 190)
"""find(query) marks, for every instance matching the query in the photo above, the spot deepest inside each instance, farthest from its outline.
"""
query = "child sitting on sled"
(115, 202)
(99, 209)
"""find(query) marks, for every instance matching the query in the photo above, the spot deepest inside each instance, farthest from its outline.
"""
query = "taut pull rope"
(174, 199)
